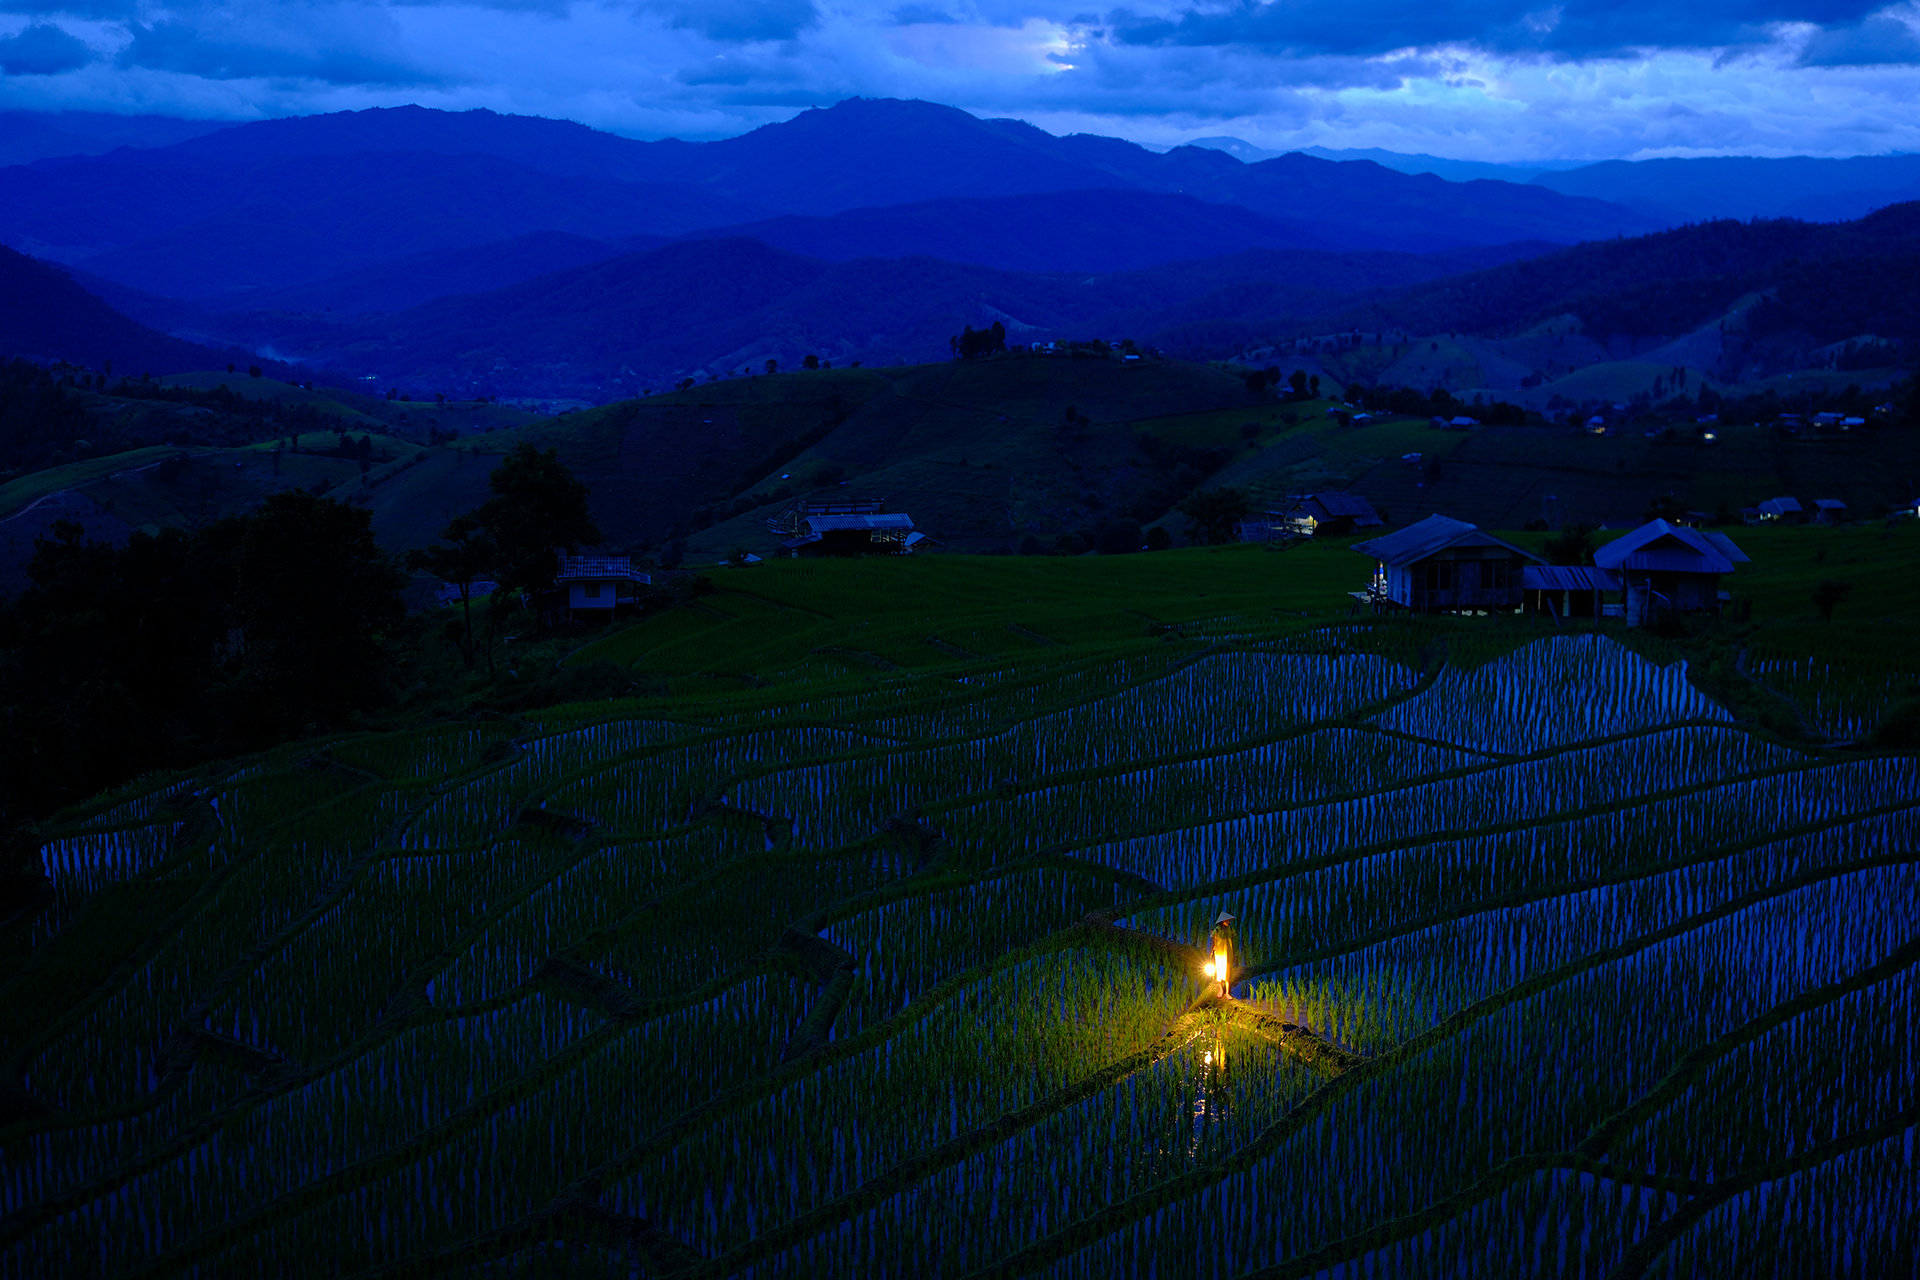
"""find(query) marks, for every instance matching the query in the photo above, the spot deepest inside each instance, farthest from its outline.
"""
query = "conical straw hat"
(1224, 919)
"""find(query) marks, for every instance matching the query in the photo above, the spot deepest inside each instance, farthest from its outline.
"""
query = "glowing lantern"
(1222, 938)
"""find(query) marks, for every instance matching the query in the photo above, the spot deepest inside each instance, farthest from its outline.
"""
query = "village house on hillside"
(1444, 564)
(596, 585)
(1669, 566)
(1308, 514)
(845, 528)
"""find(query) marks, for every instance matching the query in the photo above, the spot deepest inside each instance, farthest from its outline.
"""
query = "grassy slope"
(1504, 477)
(362, 410)
(269, 389)
(17, 495)
(805, 620)
(221, 482)
(978, 453)
(831, 622)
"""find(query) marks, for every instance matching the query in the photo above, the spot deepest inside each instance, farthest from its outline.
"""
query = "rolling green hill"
(979, 452)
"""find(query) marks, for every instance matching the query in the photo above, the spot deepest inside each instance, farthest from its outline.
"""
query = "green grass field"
(799, 621)
(795, 621)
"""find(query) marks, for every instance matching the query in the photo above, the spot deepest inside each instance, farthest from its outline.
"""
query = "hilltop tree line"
(183, 646)
(50, 417)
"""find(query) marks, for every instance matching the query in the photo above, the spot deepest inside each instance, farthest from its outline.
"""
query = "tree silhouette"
(1213, 515)
(1574, 545)
(971, 342)
(538, 510)
(313, 592)
(773, 366)
(465, 552)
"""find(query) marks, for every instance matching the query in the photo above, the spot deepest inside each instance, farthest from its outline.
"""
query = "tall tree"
(465, 553)
(313, 592)
(538, 512)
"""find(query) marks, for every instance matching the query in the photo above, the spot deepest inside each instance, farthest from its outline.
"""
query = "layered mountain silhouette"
(210, 229)
(1057, 231)
(45, 316)
(713, 307)
(26, 136)
(1694, 190)
(266, 206)
(478, 251)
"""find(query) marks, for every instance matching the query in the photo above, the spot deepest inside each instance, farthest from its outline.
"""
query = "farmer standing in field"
(1222, 936)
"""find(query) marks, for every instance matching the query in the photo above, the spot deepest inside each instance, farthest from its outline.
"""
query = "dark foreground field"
(867, 942)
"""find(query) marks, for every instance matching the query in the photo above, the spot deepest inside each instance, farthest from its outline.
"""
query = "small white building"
(600, 582)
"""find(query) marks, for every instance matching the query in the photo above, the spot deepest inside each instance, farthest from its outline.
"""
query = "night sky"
(1498, 80)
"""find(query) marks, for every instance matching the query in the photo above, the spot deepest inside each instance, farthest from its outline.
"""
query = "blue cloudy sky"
(1497, 80)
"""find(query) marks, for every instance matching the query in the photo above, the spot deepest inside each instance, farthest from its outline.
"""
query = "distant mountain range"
(1756, 298)
(263, 207)
(1671, 192)
(706, 306)
(26, 136)
(472, 251)
(1398, 161)
(45, 316)
(200, 227)
(1676, 191)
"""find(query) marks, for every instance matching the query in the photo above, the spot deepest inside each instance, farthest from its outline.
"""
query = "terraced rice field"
(1547, 966)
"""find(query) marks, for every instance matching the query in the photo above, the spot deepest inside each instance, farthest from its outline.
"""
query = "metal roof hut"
(599, 583)
(1670, 566)
(1569, 591)
(844, 528)
(1442, 564)
(1331, 513)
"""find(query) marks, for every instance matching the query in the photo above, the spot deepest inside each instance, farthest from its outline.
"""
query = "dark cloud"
(178, 47)
(97, 9)
(912, 15)
(1880, 41)
(43, 50)
(1583, 28)
(744, 21)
